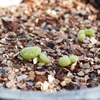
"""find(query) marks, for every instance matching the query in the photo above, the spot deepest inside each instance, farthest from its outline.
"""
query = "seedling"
(30, 52)
(73, 58)
(64, 61)
(43, 58)
(90, 32)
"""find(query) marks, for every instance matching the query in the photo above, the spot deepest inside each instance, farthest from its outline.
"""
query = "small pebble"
(40, 72)
(82, 12)
(50, 78)
(98, 71)
(81, 73)
(1, 85)
(73, 66)
(97, 60)
(46, 28)
(70, 75)
(90, 55)
(86, 65)
(93, 40)
(30, 44)
(29, 83)
(2, 71)
(2, 50)
(31, 75)
(93, 50)
(56, 81)
(35, 60)
(38, 84)
(22, 77)
(98, 43)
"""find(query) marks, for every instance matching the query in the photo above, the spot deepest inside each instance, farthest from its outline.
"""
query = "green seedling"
(73, 58)
(90, 32)
(30, 52)
(43, 58)
(81, 37)
(63, 29)
(64, 61)
(80, 32)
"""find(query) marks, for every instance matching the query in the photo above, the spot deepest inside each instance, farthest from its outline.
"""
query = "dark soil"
(40, 23)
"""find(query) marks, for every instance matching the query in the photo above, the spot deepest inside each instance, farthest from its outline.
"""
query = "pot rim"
(82, 94)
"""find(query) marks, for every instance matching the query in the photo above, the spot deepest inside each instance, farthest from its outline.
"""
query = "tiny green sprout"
(30, 52)
(80, 32)
(43, 58)
(73, 58)
(90, 32)
(81, 37)
(63, 29)
(64, 61)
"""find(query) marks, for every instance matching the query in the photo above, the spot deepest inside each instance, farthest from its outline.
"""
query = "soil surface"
(52, 25)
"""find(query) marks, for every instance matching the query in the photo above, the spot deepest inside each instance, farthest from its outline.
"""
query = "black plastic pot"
(83, 94)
